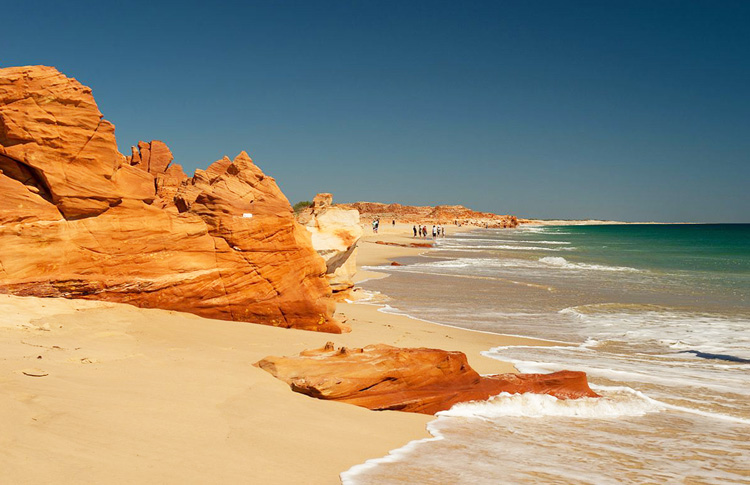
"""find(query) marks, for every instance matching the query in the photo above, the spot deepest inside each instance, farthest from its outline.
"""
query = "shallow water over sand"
(659, 318)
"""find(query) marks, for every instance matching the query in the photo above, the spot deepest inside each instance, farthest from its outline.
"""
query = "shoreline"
(598, 222)
(155, 396)
(474, 343)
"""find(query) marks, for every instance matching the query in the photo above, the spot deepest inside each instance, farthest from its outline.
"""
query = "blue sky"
(625, 110)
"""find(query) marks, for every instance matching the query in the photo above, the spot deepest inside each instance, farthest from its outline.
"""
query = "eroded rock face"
(80, 220)
(335, 233)
(381, 377)
(50, 124)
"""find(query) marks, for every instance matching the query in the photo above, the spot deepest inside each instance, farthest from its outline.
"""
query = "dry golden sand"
(130, 395)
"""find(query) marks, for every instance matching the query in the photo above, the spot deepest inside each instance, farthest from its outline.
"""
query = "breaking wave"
(614, 403)
(558, 262)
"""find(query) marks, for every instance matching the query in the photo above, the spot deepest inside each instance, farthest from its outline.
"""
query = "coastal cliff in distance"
(80, 220)
(440, 214)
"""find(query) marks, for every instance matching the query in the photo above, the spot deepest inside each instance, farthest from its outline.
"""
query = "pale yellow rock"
(335, 233)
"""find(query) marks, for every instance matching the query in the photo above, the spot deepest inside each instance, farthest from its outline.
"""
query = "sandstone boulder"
(322, 201)
(80, 220)
(381, 377)
(335, 233)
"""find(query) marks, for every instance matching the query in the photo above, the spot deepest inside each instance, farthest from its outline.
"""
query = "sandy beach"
(211, 272)
(109, 393)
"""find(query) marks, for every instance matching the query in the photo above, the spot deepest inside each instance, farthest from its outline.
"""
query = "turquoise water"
(720, 249)
(710, 257)
(658, 316)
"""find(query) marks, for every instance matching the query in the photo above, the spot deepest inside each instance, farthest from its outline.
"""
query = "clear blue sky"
(626, 110)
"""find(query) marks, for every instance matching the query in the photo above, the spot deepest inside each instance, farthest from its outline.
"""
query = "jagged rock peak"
(80, 220)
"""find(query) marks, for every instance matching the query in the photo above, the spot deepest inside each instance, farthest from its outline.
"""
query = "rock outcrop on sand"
(80, 220)
(381, 377)
(440, 214)
(335, 233)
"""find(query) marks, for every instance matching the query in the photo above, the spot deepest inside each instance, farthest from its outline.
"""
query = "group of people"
(437, 231)
(419, 230)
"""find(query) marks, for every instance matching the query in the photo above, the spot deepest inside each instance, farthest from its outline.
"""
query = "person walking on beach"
(414, 228)
(433, 232)
(393, 223)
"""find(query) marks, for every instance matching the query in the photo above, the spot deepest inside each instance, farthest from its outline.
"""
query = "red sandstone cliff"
(80, 220)
(381, 377)
(441, 214)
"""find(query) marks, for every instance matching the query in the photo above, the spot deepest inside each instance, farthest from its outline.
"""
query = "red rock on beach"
(419, 380)
(410, 245)
(80, 220)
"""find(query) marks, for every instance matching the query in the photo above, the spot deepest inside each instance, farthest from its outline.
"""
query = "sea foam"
(615, 403)
(619, 402)
(559, 262)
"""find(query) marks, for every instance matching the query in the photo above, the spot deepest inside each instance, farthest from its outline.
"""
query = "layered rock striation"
(335, 233)
(381, 377)
(80, 220)
(440, 214)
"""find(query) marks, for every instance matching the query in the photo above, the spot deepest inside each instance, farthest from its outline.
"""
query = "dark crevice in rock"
(336, 261)
(27, 175)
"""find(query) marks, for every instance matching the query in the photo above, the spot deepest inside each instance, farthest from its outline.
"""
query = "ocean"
(658, 316)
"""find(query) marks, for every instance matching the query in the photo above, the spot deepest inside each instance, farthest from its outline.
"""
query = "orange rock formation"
(441, 214)
(80, 220)
(381, 377)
